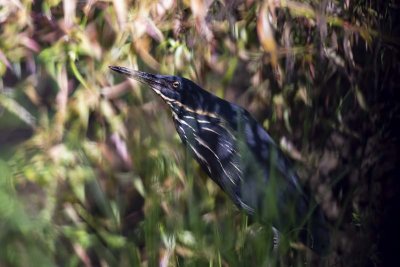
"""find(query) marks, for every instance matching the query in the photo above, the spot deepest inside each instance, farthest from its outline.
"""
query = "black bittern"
(239, 155)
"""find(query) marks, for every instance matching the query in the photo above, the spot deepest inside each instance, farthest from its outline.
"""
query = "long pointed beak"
(147, 78)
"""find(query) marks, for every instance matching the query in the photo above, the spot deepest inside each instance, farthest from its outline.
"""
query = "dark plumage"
(239, 155)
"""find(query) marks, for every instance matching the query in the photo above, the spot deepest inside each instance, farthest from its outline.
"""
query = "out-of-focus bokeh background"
(92, 172)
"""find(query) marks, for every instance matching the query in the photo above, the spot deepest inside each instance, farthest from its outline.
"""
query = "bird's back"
(240, 156)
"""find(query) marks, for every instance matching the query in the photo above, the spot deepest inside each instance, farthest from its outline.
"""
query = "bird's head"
(176, 91)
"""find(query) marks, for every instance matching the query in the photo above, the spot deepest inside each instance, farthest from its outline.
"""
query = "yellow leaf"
(266, 34)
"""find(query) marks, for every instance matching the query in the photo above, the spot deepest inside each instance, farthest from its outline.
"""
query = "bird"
(238, 154)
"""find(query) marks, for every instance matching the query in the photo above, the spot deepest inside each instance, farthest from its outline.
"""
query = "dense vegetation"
(92, 172)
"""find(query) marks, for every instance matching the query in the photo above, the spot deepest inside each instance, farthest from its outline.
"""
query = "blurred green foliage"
(91, 170)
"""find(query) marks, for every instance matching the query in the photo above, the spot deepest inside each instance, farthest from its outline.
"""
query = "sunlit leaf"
(76, 71)
(19, 111)
(121, 10)
(361, 99)
(266, 34)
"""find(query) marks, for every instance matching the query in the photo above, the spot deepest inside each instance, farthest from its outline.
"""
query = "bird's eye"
(175, 84)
